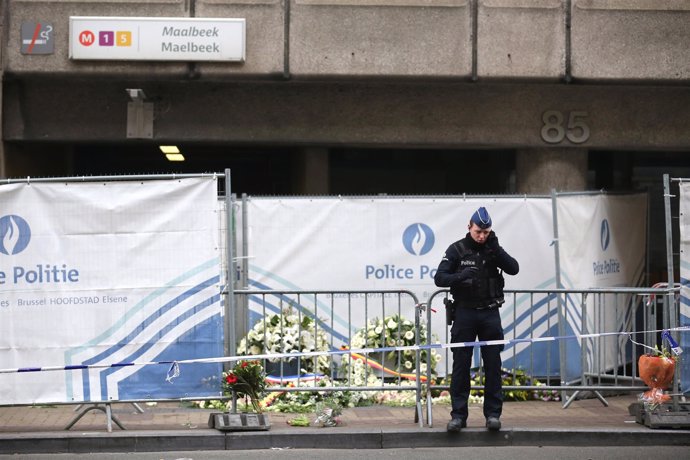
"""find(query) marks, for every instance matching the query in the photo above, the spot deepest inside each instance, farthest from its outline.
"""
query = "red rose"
(245, 364)
(231, 379)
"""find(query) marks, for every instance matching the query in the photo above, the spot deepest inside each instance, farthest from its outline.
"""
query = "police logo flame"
(418, 239)
(15, 234)
(605, 234)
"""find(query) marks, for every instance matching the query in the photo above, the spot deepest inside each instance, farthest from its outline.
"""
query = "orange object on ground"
(657, 372)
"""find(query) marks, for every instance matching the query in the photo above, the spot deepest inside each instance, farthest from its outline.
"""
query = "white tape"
(224, 359)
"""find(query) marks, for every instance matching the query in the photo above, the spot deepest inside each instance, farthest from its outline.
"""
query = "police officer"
(470, 267)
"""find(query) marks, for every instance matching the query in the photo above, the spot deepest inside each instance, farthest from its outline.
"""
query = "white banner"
(684, 221)
(104, 273)
(602, 241)
(395, 244)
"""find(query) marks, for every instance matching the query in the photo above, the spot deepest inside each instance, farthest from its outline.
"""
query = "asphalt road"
(472, 453)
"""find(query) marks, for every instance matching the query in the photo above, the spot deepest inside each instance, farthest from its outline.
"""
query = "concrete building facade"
(363, 96)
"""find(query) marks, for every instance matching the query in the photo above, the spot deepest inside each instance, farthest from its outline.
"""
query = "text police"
(40, 274)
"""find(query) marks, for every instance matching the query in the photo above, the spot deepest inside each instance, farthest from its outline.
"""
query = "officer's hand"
(492, 242)
(466, 273)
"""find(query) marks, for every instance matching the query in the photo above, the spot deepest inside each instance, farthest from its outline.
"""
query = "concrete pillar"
(538, 171)
(312, 172)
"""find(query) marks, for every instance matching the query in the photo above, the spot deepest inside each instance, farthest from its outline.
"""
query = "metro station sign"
(157, 39)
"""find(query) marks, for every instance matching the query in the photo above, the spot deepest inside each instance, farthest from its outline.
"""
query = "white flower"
(306, 335)
(291, 319)
(323, 362)
(308, 345)
(378, 330)
(254, 335)
(286, 332)
(409, 335)
(391, 324)
(408, 364)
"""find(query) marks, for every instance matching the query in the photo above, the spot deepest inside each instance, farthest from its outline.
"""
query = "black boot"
(455, 425)
(493, 423)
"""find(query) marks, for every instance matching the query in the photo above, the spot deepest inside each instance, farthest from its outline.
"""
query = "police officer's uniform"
(471, 270)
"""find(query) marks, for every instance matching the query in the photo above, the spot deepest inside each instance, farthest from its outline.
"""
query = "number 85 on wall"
(558, 126)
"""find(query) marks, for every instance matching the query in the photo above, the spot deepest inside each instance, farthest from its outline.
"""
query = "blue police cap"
(481, 217)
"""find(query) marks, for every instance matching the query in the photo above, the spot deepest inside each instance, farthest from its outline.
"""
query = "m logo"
(418, 239)
(605, 234)
(14, 234)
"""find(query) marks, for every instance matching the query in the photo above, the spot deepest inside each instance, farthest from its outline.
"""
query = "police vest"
(486, 286)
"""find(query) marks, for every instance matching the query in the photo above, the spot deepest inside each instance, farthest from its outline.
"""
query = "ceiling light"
(174, 156)
(169, 149)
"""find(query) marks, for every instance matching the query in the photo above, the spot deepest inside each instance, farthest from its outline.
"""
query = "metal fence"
(608, 353)
(567, 340)
(319, 328)
(675, 209)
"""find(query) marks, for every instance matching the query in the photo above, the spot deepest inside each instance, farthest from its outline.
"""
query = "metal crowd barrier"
(611, 327)
(606, 325)
(336, 317)
(608, 318)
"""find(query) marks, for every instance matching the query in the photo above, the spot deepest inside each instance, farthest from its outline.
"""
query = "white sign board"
(94, 274)
(157, 39)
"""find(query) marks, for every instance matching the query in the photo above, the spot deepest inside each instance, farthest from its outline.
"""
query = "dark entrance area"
(275, 170)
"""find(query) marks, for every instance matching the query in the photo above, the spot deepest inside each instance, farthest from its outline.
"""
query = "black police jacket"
(485, 284)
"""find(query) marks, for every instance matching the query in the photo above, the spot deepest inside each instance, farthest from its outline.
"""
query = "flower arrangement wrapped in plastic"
(656, 371)
(328, 413)
(288, 332)
(247, 379)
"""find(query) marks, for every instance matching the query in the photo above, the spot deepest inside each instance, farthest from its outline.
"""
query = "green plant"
(300, 420)
(664, 352)
(515, 377)
(307, 400)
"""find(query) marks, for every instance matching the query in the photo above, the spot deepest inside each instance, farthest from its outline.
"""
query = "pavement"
(172, 426)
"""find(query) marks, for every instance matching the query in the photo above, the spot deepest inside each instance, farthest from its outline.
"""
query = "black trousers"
(471, 325)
